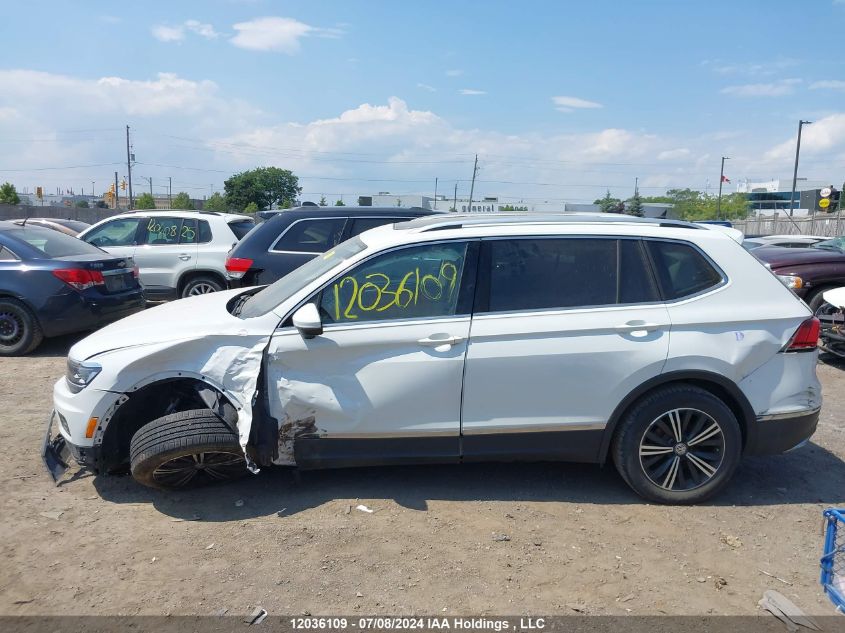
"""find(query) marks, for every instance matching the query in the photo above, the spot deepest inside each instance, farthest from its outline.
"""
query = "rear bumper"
(781, 433)
(89, 313)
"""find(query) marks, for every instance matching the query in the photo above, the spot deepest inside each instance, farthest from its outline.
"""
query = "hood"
(183, 319)
(779, 256)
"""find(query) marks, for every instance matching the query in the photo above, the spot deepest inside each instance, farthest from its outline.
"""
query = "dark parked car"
(808, 271)
(53, 284)
(69, 227)
(290, 238)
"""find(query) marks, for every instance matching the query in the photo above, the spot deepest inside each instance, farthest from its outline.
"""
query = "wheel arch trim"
(740, 404)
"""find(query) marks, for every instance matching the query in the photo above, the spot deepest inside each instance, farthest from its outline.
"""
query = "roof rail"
(439, 223)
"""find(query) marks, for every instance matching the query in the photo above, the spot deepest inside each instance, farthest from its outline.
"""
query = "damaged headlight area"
(79, 375)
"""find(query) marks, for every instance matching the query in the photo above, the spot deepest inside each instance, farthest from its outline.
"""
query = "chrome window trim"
(273, 248)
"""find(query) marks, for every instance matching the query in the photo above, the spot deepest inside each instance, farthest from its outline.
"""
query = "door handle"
(436, 342)
(636, 326)
(184, 257)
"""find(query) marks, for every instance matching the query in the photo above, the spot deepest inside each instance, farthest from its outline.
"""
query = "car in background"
(786, 241)
(53, 284)
(178, 253)
(656, 345)
(289, 238)
(809, 272)
(68, 227)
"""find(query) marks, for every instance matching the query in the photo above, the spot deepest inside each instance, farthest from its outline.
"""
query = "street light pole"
(721, 180)
(795, 173)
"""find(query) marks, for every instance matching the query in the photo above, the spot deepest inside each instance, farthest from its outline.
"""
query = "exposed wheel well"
(732, 397)
(193, 274)
(153, 401)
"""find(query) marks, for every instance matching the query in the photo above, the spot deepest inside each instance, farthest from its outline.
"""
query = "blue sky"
(561, 100)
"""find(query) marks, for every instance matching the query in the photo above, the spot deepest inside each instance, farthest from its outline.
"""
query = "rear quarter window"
(681, 269)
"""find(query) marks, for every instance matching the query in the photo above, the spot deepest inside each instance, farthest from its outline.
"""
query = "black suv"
(290, 238)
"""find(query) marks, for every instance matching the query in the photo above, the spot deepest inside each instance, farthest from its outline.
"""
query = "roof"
(229, 217)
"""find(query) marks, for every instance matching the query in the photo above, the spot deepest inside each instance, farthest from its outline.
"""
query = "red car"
(808, 271)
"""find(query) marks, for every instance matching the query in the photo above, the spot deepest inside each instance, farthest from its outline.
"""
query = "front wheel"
(678, 445)
(186, 449)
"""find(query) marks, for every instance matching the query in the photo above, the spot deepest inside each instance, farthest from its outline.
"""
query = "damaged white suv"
(663, 346)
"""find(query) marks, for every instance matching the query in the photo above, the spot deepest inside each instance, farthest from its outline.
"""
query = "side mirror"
(307, 321)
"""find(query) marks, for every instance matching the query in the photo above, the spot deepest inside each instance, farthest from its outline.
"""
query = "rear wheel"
(19, 330)
(201, 285)
(680, 444)
(186, 449)
(816, 300)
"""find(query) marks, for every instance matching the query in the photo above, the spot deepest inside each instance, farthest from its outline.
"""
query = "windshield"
(276, 293)
(52, 243)
(836, 244)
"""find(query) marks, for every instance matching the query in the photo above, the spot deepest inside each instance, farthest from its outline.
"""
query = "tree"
(182, 201)
(323, 202)
(609, 204)
(634, 205)
(8, 194)
(339, 203)
(81, 204)
(265, 186)
(216, 202)
(251, 208)
(145, 201)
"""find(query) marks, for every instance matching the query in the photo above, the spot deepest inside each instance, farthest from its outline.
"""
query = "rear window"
(681, 269)
(241, 227)
(50, 243)
(311, 236)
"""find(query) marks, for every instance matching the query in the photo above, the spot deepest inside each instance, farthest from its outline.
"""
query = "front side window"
(162, 231)
(416, 282)
(121, 232)
(681, 270)
(311, 236)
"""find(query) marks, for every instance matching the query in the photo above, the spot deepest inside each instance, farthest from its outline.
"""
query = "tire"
(20, 332)
(649, 425)
(815, 300)
(201, 285)
(185, 449)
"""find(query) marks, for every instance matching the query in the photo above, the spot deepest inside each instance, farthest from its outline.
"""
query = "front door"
(565, 328)
(382, 383)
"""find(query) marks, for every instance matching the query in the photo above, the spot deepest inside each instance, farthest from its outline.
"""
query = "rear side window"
(6, 255)
(359, 225)
(241, 228)
(681, 270)
(533, 274)
(311, 236)
(188, 232)
(162, 231)
(636, 284)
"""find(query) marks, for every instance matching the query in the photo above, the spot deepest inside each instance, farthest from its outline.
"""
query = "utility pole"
(128, 168)
(116, 193)
(435, 193)
(455, 203)
(93, 193)
(472, 186)
(721, 180)
(170, 191)
(801, 124)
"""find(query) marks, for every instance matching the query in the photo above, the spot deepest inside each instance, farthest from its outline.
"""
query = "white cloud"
(277, 34)
(205, 30)
(168, 33)
(750, 68)
(772, 89)
(426, 87)
(470, 91)
(828, 84)
(568, 104)
(455, 72)
(673, 154)
(823, 136)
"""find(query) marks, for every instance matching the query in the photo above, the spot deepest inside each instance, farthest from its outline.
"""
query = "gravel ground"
(483, 539)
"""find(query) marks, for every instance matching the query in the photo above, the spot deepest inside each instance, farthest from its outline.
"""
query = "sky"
(561, 100)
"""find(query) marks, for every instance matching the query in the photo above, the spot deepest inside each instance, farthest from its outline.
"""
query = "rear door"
(164, 253)
(564, 328)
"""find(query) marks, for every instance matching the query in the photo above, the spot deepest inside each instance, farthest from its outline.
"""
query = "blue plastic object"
(833, 559)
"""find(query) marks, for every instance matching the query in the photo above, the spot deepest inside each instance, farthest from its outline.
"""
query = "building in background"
(770, 196)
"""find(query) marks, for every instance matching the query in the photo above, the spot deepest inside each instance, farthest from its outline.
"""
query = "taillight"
(79, 278)
(237, 266)
(806, 337)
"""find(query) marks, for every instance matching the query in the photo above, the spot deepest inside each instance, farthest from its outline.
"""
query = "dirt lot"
(579, 540)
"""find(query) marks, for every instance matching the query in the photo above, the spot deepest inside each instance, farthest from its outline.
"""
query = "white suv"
(662, 346)
(178, 253)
